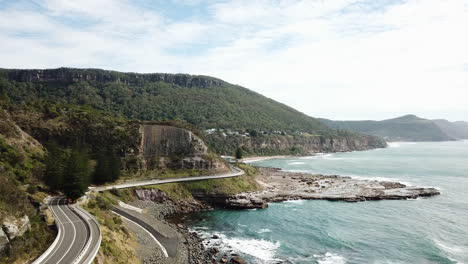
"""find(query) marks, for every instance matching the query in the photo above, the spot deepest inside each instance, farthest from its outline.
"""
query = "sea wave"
(296, 163)
(260, 249)
(318, 156)
(330, 258)
(452, 251)
(295, 201)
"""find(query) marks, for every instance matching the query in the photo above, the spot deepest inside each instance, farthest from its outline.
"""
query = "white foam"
(296, 163)
(261, 249)
(394, 144)
(330, 258)
(318, 156)
(295, 201)
(258, 248)
(264, 230)
(451, 250)
(448, 248)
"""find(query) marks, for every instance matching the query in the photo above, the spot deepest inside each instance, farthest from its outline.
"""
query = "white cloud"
(340, 59)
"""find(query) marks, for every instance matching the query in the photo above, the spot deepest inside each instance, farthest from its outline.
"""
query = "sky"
(337, 59)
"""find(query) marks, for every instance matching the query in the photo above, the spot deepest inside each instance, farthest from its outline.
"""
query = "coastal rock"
(16, 227)
(242, 201)
(282, 186)
(238, 260)
(151, 195)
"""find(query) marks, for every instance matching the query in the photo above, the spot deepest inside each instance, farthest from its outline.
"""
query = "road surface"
(234, 173)
(78, 237)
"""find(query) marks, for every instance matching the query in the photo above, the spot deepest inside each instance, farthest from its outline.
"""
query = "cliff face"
(297, 144)
(176, 148)
(68, 75)
(315, 144)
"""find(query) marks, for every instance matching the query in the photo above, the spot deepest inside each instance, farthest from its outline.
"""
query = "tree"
(77, 173)
(239, 153)
(102, 170)
(108, 167)
(55, 166)
(115, 165)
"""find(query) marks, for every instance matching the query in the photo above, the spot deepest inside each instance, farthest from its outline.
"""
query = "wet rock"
(214, 251)
(238, 260)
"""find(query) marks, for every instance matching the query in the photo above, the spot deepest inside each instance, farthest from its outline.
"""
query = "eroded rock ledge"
(281, 186)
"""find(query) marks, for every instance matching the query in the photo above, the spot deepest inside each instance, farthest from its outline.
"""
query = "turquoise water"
(431, 230)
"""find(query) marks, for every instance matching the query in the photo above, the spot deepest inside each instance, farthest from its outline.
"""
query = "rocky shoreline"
(281, 186)
(277, 186)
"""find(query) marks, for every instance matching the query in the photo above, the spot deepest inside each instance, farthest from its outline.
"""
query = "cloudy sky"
(339, 59)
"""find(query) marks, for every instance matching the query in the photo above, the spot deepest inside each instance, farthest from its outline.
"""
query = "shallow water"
(431, 230)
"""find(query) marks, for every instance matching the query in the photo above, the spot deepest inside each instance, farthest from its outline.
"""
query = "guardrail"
(92, 221)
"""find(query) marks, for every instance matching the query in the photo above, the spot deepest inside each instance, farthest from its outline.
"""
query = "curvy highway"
(79, 236)
(78, 239)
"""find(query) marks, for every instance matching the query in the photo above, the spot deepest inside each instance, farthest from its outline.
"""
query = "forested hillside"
(200, 100)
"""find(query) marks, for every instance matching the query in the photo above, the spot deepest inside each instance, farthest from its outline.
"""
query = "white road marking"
(74, 237)
(62, 234)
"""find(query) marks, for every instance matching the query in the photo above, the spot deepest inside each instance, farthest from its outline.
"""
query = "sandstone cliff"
(164, 147)
(293, 144)
(68, 75)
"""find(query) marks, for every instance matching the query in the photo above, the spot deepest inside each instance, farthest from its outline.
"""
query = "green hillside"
(405, 128)
(200, 100)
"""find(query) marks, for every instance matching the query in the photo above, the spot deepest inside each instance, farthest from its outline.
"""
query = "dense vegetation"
(83, 145)
(21, 166)
(202, 101)
(405, 128)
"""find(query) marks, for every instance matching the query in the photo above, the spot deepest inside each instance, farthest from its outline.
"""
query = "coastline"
(261, 158)
(277, 186)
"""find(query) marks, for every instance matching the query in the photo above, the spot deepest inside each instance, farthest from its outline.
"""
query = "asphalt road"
(78, 235)
(234, 173)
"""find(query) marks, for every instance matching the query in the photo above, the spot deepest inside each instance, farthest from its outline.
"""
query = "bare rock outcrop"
(169, 147)
(153, 195)
(282, 186)
(14, 227)
(4, 242)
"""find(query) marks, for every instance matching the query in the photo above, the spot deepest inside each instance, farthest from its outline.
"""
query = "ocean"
(425, 230)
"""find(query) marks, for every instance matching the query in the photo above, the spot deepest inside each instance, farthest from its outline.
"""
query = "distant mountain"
(457, 130)
(406, 128)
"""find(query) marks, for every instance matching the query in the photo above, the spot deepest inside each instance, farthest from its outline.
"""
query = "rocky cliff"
(171, 147)
(293, 144)
(68, 75)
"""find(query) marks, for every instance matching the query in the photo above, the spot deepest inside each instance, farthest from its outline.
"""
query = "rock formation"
(164, 147)
(4, 242)
(12, 228)
(67, 75)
